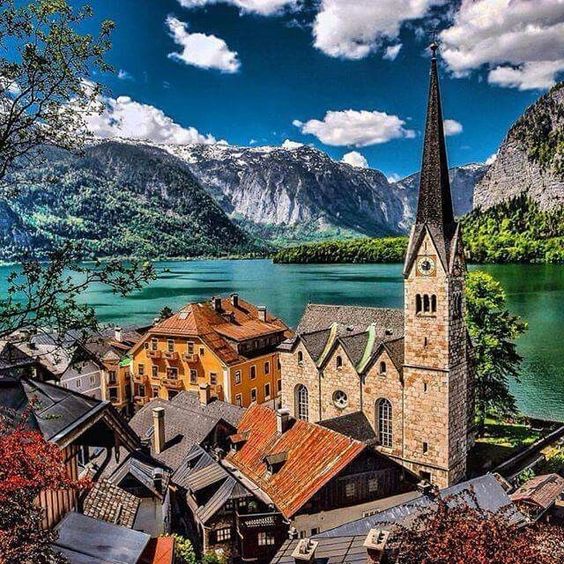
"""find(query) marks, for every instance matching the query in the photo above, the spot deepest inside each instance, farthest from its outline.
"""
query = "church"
(406, 374)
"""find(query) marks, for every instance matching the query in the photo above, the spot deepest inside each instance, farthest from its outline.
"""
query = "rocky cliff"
(530, 161)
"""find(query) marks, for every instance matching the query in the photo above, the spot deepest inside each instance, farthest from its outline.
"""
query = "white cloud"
(491, 159)
(354, 158)
(261, 7)
(394, 177)
(452, 127)
(201, 50)
(288, 144)
(124, 117)
(520, 41)
(124, 75)
(354, 29)
(392, 52)
(356, 128)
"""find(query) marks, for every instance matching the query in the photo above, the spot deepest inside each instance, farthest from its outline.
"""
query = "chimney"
(305, 551)
(158, 479)
(158, 429)
(117, 333)
(205, 393)
(427, 489)
(235, 300)
(262, 313)
(375, 544)
(216, 303)
(282, 420)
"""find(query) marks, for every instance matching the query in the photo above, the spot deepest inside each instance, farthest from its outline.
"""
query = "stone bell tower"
(437, 383)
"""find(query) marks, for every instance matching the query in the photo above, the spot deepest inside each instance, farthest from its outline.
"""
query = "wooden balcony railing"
(154, 353)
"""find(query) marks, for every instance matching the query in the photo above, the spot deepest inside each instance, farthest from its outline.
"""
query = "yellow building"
(227, 346)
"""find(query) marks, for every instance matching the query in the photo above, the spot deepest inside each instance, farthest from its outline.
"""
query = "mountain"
(299, 193)
(530, 162)
(463, 179)
(117, 199)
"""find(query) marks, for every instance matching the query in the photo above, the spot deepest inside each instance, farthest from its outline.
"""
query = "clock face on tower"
(426, 266)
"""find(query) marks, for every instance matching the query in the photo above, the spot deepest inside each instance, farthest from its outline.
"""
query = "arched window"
(426, 303)
(384, 420)
(383, 368)
(433, 303)
(418, 306)
(339, 362)
(300, 357)
(302, 402)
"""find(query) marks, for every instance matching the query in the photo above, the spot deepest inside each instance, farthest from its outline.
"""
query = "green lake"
(535, 292)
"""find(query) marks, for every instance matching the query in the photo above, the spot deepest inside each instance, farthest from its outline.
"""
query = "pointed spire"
(435, 202)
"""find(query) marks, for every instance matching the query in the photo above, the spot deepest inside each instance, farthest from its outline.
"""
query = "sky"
(347, 76)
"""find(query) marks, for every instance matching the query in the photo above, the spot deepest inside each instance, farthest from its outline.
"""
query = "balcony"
(138, 378)
(171, 355)
(172, 383)
(151, 353)
(190, 357)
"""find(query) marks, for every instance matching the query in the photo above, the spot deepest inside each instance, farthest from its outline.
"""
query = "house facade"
(409, 371)
(226, 344)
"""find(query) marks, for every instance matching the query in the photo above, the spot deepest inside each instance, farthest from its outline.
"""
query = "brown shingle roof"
(108, 502)
(215, 328)
(542, 490)
(314, 455)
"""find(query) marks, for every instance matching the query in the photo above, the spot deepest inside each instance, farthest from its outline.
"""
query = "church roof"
(434, 207)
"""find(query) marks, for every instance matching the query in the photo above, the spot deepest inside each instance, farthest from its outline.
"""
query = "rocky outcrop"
(530, 161)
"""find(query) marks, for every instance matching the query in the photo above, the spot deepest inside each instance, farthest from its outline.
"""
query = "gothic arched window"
(418, 306)
(339, 361)
(384, 420)
(433, 303)
(426, 303)
(383, 368)
(302, 402)
(300, 357)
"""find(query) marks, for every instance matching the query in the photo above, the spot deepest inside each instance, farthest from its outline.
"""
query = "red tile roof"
(314, 455)
(542, 490)
(159, 551)
(236, 323)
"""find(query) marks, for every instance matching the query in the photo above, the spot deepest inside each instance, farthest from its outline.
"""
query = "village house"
(76, 423)
(366, 540)
(111, 347)
(540, 496)
(409, 371)
(226, 343)
(168, 429)
(315, 478)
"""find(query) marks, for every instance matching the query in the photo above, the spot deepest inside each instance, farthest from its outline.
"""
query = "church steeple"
(435, 203)
(435, 214)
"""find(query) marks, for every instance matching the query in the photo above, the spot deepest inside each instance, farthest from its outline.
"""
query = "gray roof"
(108, 502)
(354, 425)
(142, 468)
(344, 544)
(488, 494)
(199, 471)
(183, 429)
(55, 410)
(317, 317)
(215, 408)
(82, 539)
(342, 550)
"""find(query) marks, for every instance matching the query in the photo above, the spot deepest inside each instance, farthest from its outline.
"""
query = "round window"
(340, 399)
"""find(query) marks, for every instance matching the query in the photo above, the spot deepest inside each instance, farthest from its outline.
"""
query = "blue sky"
(259, 72)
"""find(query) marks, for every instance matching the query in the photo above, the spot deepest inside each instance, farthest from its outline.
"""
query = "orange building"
(225, 346)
